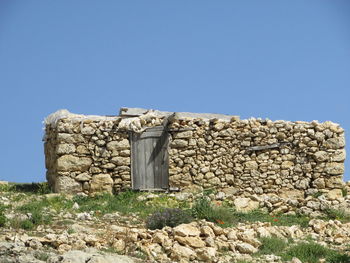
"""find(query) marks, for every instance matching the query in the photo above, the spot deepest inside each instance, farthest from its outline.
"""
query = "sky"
(273, 59)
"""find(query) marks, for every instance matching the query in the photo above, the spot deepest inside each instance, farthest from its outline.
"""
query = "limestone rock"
(83, 177)
(251, 165)
(338, 156)
(121, 160)
(335, 143)
(69, 163)
(334, 182)
(334, 168)
(77, 256)
(245, 204)
(118, 145)
(335, 194)
(101, 182)
(195, 242)
(179, 252)
(321, 156)
(246, 248)
(319, 183)
(65, 184)
(186, 230)
(183, 135)
(179, 143)
(88, 130)
(206, 254)
(65, 148)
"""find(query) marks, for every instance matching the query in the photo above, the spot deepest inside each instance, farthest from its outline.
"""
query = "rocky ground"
(53, 228)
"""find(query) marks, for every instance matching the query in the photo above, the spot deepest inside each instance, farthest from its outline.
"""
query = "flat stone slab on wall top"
(124, 112)
(53, 118)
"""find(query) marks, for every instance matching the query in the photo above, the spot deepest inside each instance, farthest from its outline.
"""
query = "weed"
(344, 192)
(168, 217)
(317, 194)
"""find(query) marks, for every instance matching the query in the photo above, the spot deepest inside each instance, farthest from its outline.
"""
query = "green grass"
(337, 214)
(125, 203)
(227, 216)
(203, 209)
(312, 252)
(271, 245)
(33, 188)
(308, 252)
(38, 210)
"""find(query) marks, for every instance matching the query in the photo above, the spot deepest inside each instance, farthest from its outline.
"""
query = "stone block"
(69, 163)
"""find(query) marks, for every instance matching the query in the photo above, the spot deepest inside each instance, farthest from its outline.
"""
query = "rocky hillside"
(37, 226)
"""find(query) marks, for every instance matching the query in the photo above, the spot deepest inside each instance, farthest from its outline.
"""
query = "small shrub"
(168, 217)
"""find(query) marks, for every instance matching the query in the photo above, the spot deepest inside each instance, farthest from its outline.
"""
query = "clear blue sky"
(271, 59)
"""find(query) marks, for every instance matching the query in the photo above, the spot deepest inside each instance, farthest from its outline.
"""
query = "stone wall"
(92, 153)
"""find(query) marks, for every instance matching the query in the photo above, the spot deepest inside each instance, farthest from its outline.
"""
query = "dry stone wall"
(304, 157)
(241, 157)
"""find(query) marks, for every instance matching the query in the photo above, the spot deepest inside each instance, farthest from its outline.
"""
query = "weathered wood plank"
(150, 163)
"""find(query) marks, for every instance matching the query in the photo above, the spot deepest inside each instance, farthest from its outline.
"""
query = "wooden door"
(150, 160)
